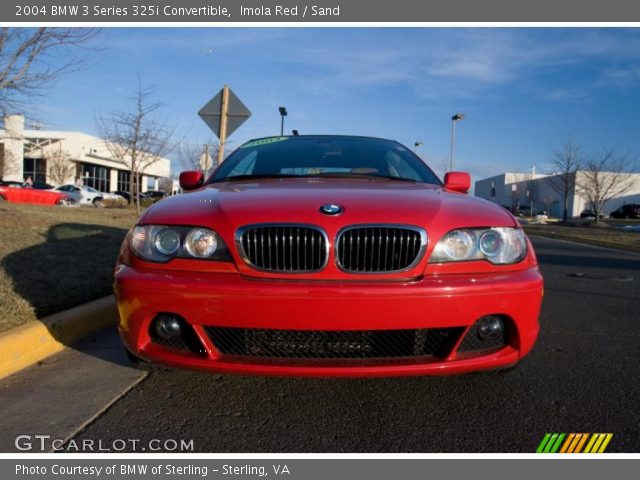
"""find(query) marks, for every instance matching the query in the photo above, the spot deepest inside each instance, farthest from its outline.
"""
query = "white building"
(524, 190)
(24, 154)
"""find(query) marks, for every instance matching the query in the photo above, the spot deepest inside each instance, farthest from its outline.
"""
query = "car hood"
(233, 204)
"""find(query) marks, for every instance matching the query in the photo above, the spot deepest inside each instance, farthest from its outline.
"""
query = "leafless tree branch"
(604, 176)
(32, 59)
(139, 137)
(565, 163)
(59, 165)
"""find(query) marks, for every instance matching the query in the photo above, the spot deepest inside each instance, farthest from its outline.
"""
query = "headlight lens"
(459, 244)
(201, 243)
(167, 241)
(490, 243)
(500, 246)
(161, 243)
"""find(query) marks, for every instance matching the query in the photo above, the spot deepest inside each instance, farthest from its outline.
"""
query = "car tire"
(98, 202)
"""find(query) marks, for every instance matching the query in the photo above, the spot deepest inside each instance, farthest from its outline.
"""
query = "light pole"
(283, 113)
(454, 119)
(416, 145)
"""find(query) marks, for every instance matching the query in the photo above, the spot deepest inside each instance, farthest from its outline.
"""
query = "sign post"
(224, 113)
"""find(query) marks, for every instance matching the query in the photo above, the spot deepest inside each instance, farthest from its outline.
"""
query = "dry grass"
(53, 258)
(603, 235)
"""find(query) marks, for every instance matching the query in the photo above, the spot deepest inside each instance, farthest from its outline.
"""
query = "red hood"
(299, 200)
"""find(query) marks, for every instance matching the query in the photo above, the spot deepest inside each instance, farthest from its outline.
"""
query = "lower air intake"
(311, 344)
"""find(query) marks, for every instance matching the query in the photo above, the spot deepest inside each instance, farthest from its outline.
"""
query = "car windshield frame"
(337, 151)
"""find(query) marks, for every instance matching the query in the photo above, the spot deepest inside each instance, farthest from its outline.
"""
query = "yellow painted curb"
(29, 343)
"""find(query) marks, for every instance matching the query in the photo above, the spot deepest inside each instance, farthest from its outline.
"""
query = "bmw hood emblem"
(331, 209)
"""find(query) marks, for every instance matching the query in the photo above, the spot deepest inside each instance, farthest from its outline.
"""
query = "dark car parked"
(127, 195)
(155, 194)
(591, 214)
(631, 210)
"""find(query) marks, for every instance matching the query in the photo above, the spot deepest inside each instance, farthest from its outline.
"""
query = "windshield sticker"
(264, 141)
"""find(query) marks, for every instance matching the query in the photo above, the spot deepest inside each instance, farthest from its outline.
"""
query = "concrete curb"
(27, 344)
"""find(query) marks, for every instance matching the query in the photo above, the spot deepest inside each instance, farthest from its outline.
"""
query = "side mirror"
(457, 181)
(191, 179)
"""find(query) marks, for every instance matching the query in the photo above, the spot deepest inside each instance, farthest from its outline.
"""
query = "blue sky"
(523, 90)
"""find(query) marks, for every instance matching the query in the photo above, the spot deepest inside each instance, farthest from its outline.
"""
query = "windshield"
(324, 157)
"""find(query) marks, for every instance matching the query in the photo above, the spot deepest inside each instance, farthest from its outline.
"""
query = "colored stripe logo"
(574, 443)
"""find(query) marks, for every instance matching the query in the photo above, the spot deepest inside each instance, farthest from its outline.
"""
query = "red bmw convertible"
(327, 256)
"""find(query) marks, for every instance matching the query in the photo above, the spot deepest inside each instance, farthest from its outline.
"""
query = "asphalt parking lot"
(582, 376)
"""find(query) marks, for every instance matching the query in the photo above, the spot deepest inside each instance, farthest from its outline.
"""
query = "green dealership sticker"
(264, 141)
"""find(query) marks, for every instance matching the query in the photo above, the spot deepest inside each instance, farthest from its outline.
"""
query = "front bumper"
(233, 300)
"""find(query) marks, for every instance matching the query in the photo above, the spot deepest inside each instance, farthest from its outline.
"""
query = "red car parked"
(19, 193)
(327, 256)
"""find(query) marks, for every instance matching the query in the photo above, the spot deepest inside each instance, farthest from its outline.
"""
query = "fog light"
(490, 327)
(167, 326)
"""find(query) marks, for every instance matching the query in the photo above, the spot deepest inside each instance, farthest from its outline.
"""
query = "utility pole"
(224, 109)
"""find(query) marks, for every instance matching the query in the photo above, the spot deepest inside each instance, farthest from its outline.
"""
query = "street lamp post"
(416, 145)
(283, 113)
(454, 119)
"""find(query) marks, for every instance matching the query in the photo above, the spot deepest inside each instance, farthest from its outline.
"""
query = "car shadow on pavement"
(72, 266)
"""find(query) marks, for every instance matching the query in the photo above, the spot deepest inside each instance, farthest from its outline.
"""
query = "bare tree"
(138, 137)
(565, 164)
(604, 176)
(59, 165)
(165, 184)
(198, 156)
(26, 68)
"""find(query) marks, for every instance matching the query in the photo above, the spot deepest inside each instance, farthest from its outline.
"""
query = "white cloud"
(464, 62)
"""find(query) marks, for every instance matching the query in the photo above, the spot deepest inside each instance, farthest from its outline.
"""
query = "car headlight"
(201, 243)
(161, 243)
(500, 246)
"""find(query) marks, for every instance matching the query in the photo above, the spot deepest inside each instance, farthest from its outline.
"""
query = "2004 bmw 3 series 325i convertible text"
(327, 256)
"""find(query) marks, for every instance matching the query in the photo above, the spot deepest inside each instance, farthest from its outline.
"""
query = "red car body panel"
(233, 294)
(30, 195)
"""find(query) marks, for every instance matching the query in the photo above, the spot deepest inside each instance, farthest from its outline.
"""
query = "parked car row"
(68, 194)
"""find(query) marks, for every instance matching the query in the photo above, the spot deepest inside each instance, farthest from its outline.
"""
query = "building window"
(124, 179)
(36, 168)
(95, 176)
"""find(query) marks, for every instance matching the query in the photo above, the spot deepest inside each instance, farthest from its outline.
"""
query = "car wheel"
(98, 202)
